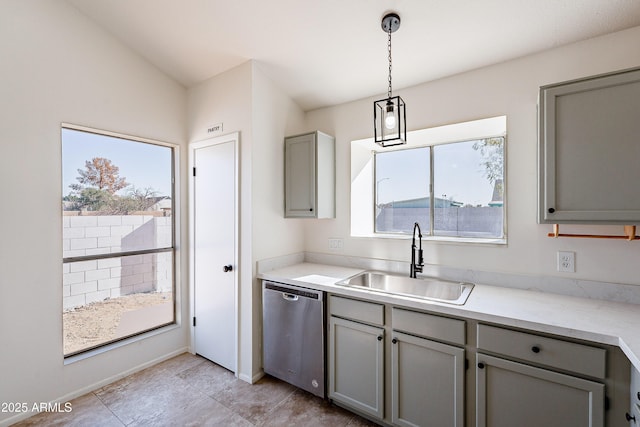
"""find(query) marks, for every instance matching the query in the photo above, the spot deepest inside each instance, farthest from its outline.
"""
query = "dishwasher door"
(293, 335)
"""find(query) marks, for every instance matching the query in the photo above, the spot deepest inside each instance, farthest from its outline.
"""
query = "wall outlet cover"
(336, 244)
(567, 262)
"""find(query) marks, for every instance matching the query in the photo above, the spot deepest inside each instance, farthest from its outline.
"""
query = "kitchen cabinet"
(521, 384)
(356, 355)
(427, 375)
(588, 146)
(633, 416)
(425, 358)
(309, 176)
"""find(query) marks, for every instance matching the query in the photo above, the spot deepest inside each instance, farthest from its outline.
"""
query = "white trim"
(177, 253)
(251, 380)
(235, 137)
(117, 135)
(120, 343)
(362, 174)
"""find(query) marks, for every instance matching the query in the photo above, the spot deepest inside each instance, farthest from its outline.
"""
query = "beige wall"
(246, 101)
(274, 115)
(510, 89)
(57, 66)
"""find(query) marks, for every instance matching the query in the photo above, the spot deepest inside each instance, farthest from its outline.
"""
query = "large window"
(449, 179)
(118, 237)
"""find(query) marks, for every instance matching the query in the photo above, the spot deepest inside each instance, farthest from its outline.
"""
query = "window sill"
(443, 239)
(68, 360)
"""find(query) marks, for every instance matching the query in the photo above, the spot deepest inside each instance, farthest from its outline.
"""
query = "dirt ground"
(96, 323)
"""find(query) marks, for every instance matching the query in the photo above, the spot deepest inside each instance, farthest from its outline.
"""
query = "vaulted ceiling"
(328, 52)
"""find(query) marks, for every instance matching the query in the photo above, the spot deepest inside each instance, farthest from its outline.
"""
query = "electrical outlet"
(567, 262)
(336, 244)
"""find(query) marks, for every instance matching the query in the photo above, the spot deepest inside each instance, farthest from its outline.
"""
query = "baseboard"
(88, 389)
(251, 380)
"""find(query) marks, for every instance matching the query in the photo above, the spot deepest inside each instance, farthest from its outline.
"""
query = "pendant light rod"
(389, 115)
(390, 24)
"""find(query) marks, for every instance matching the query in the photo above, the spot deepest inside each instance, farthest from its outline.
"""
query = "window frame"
(173, 249)
(363, 176)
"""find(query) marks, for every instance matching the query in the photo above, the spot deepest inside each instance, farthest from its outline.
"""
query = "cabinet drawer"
(361, 311)
(578, 358)
(429, 326)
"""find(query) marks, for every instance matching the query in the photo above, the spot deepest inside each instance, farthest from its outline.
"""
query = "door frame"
(235, 139)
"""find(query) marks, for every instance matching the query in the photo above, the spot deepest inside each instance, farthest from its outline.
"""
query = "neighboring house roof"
(422, 202)
(162, 203)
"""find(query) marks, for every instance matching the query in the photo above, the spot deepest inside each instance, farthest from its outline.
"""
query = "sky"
(458, 174)
(141, 164)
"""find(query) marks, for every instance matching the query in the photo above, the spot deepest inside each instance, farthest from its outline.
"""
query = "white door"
(214, 235)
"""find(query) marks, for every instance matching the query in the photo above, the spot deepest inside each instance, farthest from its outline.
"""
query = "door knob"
(227, 268)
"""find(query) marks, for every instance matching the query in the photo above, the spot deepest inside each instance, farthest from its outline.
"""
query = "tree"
(100, 173)
(491, 149)
(96, 191)
(492, 152)
(136, 200)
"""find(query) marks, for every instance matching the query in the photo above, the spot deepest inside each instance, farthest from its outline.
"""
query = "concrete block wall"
(85, 282)
(467, 221)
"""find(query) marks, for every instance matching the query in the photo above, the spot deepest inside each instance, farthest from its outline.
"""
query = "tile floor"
(189, 390)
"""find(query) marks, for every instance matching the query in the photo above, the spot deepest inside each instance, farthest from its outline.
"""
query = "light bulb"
(390, 117)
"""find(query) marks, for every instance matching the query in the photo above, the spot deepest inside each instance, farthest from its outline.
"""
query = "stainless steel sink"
(426, 288)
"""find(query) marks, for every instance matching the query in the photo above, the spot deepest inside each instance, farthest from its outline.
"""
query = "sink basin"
(427, 288)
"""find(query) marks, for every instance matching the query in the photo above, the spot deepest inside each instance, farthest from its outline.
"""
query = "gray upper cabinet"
(589, 146)
(309, 176)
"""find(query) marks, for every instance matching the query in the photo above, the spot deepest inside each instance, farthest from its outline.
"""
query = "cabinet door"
(588, 150)
(300, 176)
(513, 394)
(428, 382)
(356, 365)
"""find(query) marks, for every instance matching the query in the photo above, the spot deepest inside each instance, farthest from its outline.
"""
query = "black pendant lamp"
(389, 115)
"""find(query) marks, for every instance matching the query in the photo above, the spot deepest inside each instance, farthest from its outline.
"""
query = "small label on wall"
(217, 128)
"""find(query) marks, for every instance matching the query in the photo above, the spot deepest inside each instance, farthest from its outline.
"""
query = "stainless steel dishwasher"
(293, 335)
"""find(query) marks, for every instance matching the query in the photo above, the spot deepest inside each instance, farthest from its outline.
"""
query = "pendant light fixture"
(389, 116)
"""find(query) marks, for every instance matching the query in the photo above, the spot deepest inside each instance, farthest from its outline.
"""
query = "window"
(449, 179)
(118, 237)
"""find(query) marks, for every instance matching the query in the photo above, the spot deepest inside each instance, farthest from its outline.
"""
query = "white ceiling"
(326, 52)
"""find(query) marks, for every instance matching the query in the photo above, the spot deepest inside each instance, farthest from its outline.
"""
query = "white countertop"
(594, 320)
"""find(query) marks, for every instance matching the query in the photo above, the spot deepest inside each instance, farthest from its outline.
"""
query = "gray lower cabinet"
(427, 382)
(529, 391)
(514, 394)
(356, 365)
(408, 368)
(633, 416)
(425, 359)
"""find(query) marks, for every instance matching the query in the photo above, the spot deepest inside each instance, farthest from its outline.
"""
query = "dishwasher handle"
(289, 297)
